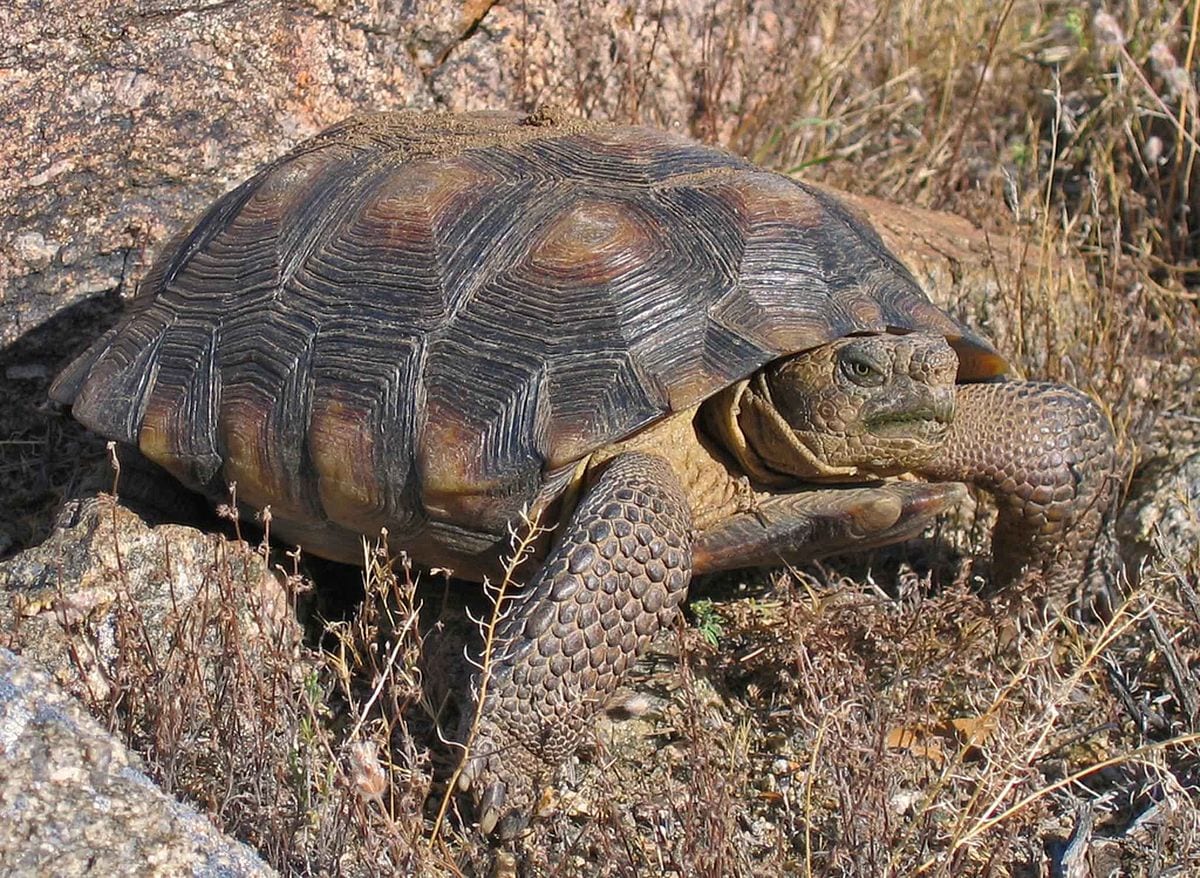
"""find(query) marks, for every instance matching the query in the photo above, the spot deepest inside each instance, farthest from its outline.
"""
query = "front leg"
(792, 527)
(1048, 455)
(617, 574)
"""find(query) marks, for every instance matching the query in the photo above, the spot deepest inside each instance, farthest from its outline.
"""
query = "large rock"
(73, 800)
(69, 604)
(136, 621)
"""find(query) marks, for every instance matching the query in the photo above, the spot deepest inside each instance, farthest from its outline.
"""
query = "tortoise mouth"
(928, 424)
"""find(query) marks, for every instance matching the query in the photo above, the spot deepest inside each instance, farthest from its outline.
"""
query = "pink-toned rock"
(123, 120)
(66, 604)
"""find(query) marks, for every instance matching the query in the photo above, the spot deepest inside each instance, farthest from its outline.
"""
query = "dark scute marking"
(69, 383)
(265, 405)
(486, 230)
(246, 260)
(596, 399)
(332, 200)
(729, 355)
(368, 394)
(532, 362)
(112, 399)
(179, 425)
(662, 307)
(619, 330)
(386, 261)
(268, 334)
(480, 452)
(843, 224)
(467, 541)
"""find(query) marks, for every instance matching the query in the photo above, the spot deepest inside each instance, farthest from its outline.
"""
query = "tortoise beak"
(912, 409)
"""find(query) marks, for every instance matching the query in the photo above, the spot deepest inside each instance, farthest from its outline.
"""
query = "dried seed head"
(366, 774)
(1152, 150)
(1162, 59)
(1108, 30)
(1179, 82)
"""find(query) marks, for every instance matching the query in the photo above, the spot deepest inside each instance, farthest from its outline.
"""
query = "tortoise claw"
(503, 777)
(489, 806)
(470, 773)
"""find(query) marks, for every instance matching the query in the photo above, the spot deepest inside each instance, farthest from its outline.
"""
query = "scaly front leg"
(617, 575)
(1048, 455)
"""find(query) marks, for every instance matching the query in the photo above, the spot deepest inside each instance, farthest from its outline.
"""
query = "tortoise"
(434, 324)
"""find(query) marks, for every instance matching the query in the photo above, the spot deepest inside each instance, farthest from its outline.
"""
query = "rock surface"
(1162, 515)
(74, 802)
(64, 603)
(109, 603)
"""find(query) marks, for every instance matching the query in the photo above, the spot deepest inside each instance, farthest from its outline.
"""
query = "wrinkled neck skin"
(856, 408)
(746, 422)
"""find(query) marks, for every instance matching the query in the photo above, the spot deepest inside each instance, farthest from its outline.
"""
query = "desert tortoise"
(430, 322)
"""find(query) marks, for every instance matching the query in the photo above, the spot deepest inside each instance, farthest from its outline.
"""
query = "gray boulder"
(73, 800)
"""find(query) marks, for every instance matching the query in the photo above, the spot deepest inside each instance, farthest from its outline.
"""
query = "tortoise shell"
(425, 321)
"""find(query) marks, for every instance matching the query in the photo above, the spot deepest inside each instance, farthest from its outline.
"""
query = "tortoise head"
(860, 406)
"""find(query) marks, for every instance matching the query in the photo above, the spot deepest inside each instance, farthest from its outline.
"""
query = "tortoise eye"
(862, 372)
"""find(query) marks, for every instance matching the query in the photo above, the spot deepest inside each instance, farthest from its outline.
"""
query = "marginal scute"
(344, 458)
(250, 461)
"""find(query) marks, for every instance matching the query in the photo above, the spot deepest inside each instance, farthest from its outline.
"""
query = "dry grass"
(833, 729)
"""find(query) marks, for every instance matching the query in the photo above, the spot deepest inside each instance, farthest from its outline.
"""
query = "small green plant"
(1074, 22)
(708, 621)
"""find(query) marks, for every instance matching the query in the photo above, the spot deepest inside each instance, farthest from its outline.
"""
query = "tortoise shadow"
(46, 456)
